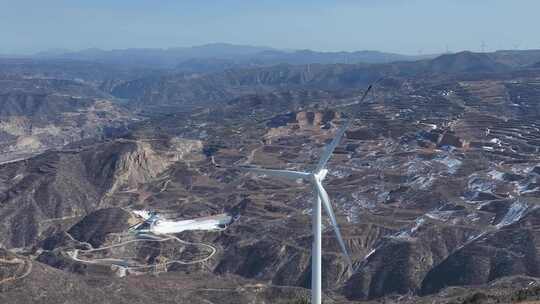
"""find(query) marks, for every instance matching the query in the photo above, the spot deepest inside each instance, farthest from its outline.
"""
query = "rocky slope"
(39, 114)
(435, 185)
(189, 89)
(51, 191)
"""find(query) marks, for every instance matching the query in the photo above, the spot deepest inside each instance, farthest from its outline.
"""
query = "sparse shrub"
(476, 298)
(526, 294)
(300, 300)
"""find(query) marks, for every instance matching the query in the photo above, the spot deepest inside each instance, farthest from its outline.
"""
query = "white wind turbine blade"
(367, 91)
(328, 151)
(326, 203)
(330, 148)
(293, 175)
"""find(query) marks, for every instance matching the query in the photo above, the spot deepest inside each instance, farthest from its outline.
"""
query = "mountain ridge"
(238, 55)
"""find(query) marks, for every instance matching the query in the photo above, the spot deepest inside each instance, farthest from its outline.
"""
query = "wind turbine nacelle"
(321, 175)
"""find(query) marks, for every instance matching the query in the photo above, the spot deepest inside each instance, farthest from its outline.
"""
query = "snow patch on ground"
(496, 141)
(471, 239)
(482, 205)
(440, 215)
(514, 214)
(473, 217)
(339, 173)
(497, 175)
(475, 237)
(383, 196)
(527, 186)
(452, 163)
(370, 253)
(353, 208)
(410, 232)
(479, 184)
(362, 201)
(423, 182)
(417, 166)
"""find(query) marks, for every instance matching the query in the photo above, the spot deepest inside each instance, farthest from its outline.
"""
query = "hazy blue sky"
(388, 25)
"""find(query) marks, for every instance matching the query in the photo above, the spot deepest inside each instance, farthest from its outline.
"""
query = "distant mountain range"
(436, 182)
(183, 88)
(219, 56)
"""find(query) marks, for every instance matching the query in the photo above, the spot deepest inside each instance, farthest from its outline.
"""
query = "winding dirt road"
(149, 238)
(16, 261)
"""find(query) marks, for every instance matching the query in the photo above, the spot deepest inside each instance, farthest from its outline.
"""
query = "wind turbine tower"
(315, 178)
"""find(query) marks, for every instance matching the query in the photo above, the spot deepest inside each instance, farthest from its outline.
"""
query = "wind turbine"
(316, 178)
